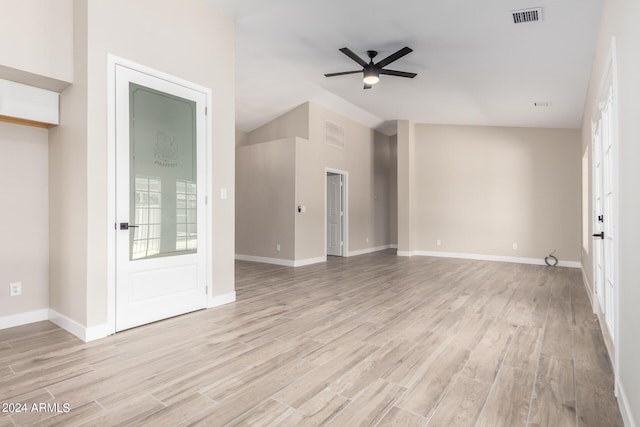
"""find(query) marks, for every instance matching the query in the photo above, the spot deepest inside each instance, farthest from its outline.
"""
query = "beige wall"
(199, 48)
(481, 189)
(291, 124)
(366, 158)
(619, 19)
(265, 199)
(406, 186)
(68, 187)
(24, 220)
(380, 205)
(36, 40)
(393, 190)
(242, 138)
(358, 158)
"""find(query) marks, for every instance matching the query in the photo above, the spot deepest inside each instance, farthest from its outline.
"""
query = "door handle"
(126, 226)
(600, 235)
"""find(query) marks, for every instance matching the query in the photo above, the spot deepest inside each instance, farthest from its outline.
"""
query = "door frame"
(609, 81)
(113, 62)
(345, 208)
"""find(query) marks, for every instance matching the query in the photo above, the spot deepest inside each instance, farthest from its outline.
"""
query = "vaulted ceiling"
(474, 65)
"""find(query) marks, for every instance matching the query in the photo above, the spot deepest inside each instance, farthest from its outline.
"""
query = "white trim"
(74, 328)
(218, 300)
(24, 318)
(112, 62)
(27, 102)
(370, 250)
(616, 213)
(345, 206)
(265, 260)
(482, 257)
(623, 403)
(393, 246)
(309, 261)
(589, 291)
(280, 261)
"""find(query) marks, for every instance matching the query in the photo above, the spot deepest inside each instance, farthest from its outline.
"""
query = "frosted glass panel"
(163, 187)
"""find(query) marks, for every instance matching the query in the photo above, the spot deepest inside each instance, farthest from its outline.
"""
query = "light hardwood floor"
(369, 340)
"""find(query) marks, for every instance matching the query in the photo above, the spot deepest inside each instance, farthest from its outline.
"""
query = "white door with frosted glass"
(334, 215)
(604, 215)
(160, 199)
(598, 217)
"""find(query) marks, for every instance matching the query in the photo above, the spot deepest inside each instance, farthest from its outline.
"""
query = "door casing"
(345, 209)
(113, 62)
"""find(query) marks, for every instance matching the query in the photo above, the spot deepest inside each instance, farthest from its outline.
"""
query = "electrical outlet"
(367, 240)
(15, 289)
(439, 242)
(278, 247)
(515, 246)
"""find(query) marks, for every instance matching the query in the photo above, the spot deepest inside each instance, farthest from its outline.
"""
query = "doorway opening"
(336, 213)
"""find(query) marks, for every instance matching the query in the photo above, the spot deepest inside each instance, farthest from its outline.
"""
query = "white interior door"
(607, 210)
(335, 213)
(604, 218)
(160, 199)
(598, 226)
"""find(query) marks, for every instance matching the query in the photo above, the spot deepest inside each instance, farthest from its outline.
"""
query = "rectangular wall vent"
(542, 104)
(334, 134)
(527, 15)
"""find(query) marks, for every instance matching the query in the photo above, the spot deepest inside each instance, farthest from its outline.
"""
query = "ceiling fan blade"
(394, 57)
(353, 56)
(366, 86)
(398, 73)
(342, 73)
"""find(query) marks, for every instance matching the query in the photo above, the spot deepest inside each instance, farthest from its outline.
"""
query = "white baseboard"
(280, 261)
(86, 334)
(309, 261)
(218, 300)
(369, 250)
(625, 408)
(24, 318)
(265, 260)
(588, 288)
(393, 246)
(481, 257)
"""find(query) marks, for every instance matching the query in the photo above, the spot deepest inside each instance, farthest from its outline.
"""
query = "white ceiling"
(474, 65)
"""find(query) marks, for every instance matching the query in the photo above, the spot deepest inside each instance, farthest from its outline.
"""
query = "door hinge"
(601, 218)
(206, 110)
(206, 290)
(206, 200)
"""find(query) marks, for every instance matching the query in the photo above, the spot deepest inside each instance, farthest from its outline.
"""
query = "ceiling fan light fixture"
(371, 77)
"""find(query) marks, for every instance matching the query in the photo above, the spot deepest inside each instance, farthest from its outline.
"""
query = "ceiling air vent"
(334, 134)
(542, 104)
(527, 15)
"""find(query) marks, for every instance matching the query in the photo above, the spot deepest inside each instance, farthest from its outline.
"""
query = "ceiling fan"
(371, 72)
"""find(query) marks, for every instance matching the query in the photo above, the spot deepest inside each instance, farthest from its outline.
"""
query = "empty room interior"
(339, 213)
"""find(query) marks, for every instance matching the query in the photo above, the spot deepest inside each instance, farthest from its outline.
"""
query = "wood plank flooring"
(369, 340)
